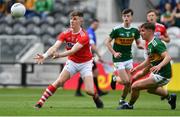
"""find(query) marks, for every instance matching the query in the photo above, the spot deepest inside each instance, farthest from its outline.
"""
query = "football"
(18, 10)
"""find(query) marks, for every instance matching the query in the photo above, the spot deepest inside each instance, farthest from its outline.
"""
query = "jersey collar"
(77, 32)
(126, 27)
(151, 40)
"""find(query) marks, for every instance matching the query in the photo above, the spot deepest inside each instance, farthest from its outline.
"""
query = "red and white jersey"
(70, 38)
(160, 30)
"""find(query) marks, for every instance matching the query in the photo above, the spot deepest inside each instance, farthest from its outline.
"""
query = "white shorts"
(160, 80)
(85, 68)
(124, 65)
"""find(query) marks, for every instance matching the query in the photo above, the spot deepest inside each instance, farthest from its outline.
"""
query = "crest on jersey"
(128, 34)
(133, 34)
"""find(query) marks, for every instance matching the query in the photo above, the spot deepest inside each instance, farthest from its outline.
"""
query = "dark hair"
(152, 10)
(148, 25)
(93, 20)
(76, 13)
(126, 11)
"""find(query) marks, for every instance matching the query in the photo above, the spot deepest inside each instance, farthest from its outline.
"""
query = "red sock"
(47, 93)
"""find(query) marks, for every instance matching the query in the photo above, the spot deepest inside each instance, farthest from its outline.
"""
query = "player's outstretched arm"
(140, 66)
(39, 58)
(73, 50)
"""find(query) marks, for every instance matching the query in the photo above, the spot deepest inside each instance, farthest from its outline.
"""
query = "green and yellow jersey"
(155, 48)
(123, 39)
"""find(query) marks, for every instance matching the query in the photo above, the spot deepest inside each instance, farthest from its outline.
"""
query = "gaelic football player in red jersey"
(160, 33)
(160, 29)
(79, 59)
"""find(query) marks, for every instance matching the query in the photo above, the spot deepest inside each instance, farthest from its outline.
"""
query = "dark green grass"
(20, 101)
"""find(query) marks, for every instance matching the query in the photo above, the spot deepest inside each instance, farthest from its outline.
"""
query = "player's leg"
(89, 87)
(161, 81)
(125, 79)
(118, 67)
(95, 77)
(171, 98)
(135, 91)
(50, 90)
(78, 90)
(62, 78)
(86, 74)
(158, 91)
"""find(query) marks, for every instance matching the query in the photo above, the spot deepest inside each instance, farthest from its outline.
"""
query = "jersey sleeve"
(113, 33)
(160, 48)
(164, 30)
(61, 36)
(137, 35)
(91, 37)
(83, 40)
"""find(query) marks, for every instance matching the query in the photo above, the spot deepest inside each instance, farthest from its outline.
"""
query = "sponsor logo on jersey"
(69, 45)
(124, 41)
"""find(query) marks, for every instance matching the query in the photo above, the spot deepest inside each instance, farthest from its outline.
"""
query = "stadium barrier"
(104, 78)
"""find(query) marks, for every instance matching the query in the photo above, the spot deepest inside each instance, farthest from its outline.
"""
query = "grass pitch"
(20, 102)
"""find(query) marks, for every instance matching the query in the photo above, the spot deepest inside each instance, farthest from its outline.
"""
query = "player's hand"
(162, 38)
(117, 55)
(155, 69)
(39, 58)
(55, 55)
(133, 70)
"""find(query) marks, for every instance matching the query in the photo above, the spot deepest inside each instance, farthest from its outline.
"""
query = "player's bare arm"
(141, 66)
(73, 50)
(166, 60)
(139, 44)
(165, 37)
(39, 58)
(110, 48)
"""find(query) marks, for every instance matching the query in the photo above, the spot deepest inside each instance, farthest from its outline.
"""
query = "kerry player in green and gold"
(123, 37)
(161, 73)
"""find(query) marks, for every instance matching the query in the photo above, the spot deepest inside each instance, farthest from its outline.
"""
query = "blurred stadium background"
(21, 39)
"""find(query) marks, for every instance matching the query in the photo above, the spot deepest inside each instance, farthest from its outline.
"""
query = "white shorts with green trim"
(160, 80)
(124, 65)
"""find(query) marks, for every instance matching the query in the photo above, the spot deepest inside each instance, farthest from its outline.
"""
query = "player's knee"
(59, 84)
(135, 87)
